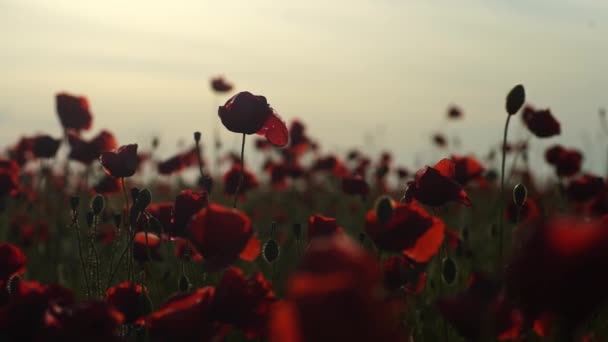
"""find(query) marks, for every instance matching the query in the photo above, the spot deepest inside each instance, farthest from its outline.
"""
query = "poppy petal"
(275, 130)
(251, 250)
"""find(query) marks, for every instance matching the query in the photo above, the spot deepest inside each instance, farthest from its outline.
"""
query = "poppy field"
(103, 240)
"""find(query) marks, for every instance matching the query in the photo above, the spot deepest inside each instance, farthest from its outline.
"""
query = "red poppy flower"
(163, 212)
(355, 186)
(90, 321)
(73, 112)
(178, 162)
(528, 212)
(540, 122)
(184, 318)
(9, 178)
(440, 140)
(278, 176)
(231, 181)
(436, 186)
(221, 235)
(556, 270)
(298, 140)
(244, 302)
(12, 261)
(88, 151)
(409, 229)
(482, 312)
(331, 164)
(454, 112)
(44, 146)
(186, 251)
(248, 114)
(127, 298)
(122, 163)
(146, 247)
(567, 162)
(333, 297)
(22, 151)
(402, 274)
(321, 226)
(187, 203)
(108, 185)
(466, 169)
(220, 85)
(584, 188)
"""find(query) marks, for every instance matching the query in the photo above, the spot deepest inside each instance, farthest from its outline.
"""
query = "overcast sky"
(385, 69)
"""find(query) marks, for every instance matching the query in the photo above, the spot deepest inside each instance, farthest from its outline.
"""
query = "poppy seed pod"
(134, 194)
(384, 209)
(515, 99)
(271, 251)
(449, 270)
(197, 136)
(74, 202)
(98, 204)
(520, 194)
(143, 200)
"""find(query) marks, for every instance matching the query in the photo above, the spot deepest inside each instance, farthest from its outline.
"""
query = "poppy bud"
(271, 251)
(184, 284)
(515, 99)
(143, 199)
(384, 209)
(74, 202)
(98, 204)
(297, 230)
(449, 270)
(134, 194)
(520, 194)
(197, 136)
(90, 218)
(12, 284)
(117, 219)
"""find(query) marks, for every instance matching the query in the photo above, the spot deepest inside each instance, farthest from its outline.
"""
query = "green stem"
(238, 187)
(502, 192)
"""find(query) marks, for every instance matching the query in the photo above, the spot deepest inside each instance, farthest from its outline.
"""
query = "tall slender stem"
(242, 175)
(502, 191)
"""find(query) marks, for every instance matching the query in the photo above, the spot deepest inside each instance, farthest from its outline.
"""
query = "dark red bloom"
(330, 164)
(466, 169)
(584, 188)
(187, 203)
(439, 140)
(163, 212)
(244, 302)
(540, 122)
(320, 226)
(567, 162)
(186, 251)
(184, 318)
(9, 178)
(355, 185)
(298, 140)
(220, 85)
(482, 312)
(409, 229)
(403, 274)
(278, 175)
(45, 146)
(22, 152)
(128, 299)
(231, 181)
(146, 247)
(73, 112)
(454, 112)
(178, 162)
(222, 235)
(528, 212)
(250, 114)
(88, 151)
(121, 163)
(108, 185)
(436, 186)
(333, 297)
(12, 261)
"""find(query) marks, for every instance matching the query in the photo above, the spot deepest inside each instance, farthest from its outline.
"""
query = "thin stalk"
(82, 262)
(502, 191)
(238, 187)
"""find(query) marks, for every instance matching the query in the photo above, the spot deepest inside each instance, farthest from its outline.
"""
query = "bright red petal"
(275, 131)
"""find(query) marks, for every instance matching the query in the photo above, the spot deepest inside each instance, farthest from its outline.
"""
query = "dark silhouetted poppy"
(355, 185)
(45, 146)
(178, 162)
(331, 164)
(319, 226)
(187, 203)
(528, 212)
(185, 317)
(73, 112)
(402, 274)
(146, 247)
(22, 151)
(439, 140)
(584, 188)
(278, 175)
(436, 186)
(482, 312)
(250, 114)
(9, 178)
(122, 163)
(127, 298)
(231, 181)
(220, 85)
(108, 185)
(12, 261)
(454, 112)
(515, 99)
(333, 297)
(298, 140)
(540, 122)
(567, 162)
(88, 151)
(244, 302)
(222, 235)
(408, 228)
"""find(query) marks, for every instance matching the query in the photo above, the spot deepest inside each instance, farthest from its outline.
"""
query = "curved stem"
(238, 187)
(502, 191)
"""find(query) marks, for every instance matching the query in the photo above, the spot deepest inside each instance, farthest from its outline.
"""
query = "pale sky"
(349, 69)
